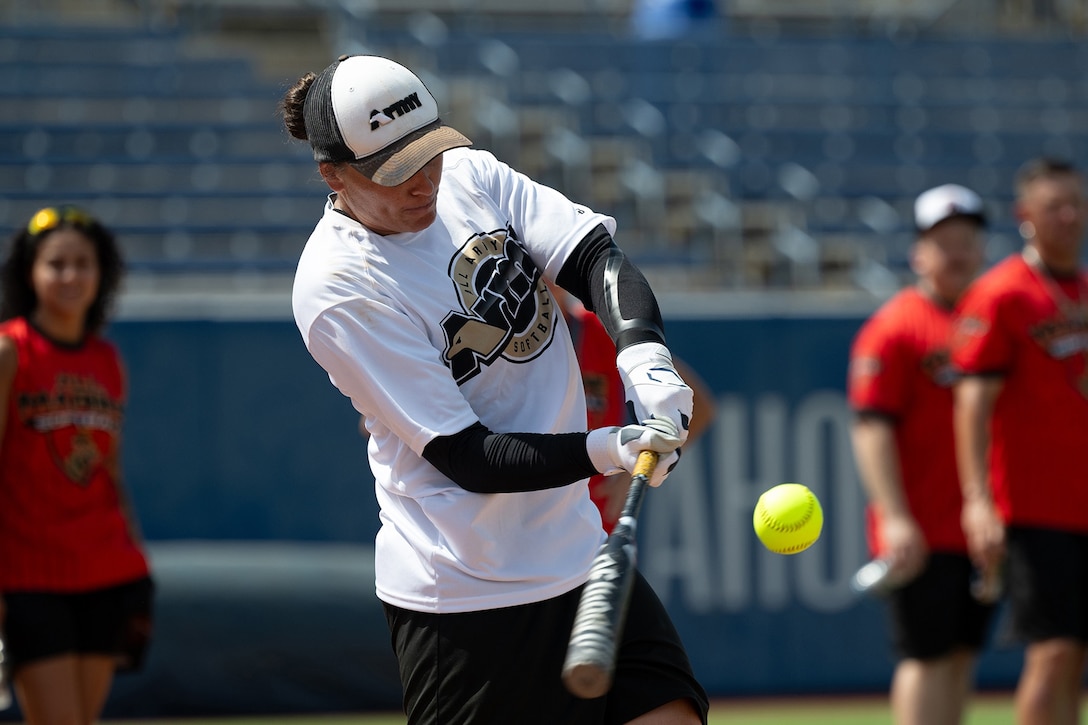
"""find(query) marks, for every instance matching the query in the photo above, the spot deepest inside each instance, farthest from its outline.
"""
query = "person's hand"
(985, 532)
(652, 386)
(904, 548)
(615, 449)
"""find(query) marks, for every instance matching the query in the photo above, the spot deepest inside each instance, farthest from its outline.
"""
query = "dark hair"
(1041, 168)
(293, 106)
(18, 298)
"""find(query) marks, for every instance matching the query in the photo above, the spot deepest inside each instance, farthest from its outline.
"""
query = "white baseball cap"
(378, 116)
(945, 202)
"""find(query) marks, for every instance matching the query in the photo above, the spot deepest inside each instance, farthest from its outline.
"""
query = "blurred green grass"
(869, 710)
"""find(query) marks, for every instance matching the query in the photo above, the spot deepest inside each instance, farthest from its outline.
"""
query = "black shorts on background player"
(1047, 573)
(935, 613)
(114, 621)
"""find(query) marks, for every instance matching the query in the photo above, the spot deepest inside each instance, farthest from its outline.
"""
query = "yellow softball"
(788, 518)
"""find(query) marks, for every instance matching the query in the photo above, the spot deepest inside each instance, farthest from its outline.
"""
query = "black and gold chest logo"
(506, 308)
(80, 422)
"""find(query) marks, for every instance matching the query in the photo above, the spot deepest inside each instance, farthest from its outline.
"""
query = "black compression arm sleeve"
(600, 275)
(480, 461)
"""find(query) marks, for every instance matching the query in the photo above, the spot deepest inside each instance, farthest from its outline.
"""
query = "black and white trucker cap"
(378, 116)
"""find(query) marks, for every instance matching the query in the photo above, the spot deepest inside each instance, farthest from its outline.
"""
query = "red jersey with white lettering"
(899, 368)
(1032, 330)
(604, 387)
(62, 527)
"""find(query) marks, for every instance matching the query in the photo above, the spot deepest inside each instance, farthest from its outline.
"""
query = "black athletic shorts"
(504, 665)
(114, 621)
(1047, 575)
(935, 614)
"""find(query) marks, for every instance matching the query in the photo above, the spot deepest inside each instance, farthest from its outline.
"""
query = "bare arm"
(705, 409)
(124, 500)
(877, 459)
(116, 469)
(975, 397)
(9, 363)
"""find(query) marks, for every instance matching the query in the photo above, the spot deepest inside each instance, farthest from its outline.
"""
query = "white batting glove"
(653, 387)
(616, 449)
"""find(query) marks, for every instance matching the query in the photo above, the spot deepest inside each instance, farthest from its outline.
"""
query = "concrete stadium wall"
(252, 486)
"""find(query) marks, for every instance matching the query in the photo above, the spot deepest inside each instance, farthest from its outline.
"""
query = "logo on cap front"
(394, 110)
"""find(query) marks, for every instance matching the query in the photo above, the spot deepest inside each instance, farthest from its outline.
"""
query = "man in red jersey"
(1021, 424)
(900, 387)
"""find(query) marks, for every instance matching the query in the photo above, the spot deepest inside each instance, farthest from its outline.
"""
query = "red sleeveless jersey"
(62, 527)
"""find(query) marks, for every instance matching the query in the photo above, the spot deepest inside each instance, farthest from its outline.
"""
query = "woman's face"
(65, 274)
(408, 207)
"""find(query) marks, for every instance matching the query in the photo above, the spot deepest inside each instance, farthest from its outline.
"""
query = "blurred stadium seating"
(752, 154)
(184, 157)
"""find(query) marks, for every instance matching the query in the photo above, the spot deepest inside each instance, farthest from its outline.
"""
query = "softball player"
(900, 387)
(1021, 418)
(422, 294)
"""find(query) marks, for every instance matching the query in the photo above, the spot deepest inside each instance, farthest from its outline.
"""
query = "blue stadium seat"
(124, 119)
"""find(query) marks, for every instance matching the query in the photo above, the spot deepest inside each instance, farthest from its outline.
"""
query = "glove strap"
(599, 446)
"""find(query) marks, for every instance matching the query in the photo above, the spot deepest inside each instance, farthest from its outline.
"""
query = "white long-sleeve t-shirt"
(428, 332)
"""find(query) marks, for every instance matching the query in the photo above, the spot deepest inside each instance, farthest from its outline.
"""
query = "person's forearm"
(974, 399)
(878, 465)
(704, 411)
(481, 461)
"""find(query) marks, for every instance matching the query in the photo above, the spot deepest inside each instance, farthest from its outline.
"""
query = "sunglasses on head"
(51, 217)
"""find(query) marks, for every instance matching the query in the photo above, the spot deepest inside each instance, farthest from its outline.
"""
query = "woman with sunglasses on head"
(75, 587)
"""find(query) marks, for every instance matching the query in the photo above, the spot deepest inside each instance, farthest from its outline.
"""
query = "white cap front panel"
(377, 102)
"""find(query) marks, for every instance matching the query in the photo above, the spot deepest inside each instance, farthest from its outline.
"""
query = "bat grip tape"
(645, 464)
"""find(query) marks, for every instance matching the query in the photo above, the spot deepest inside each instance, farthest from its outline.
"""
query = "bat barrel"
(591, 652)
(587, 680)
(602, 608)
